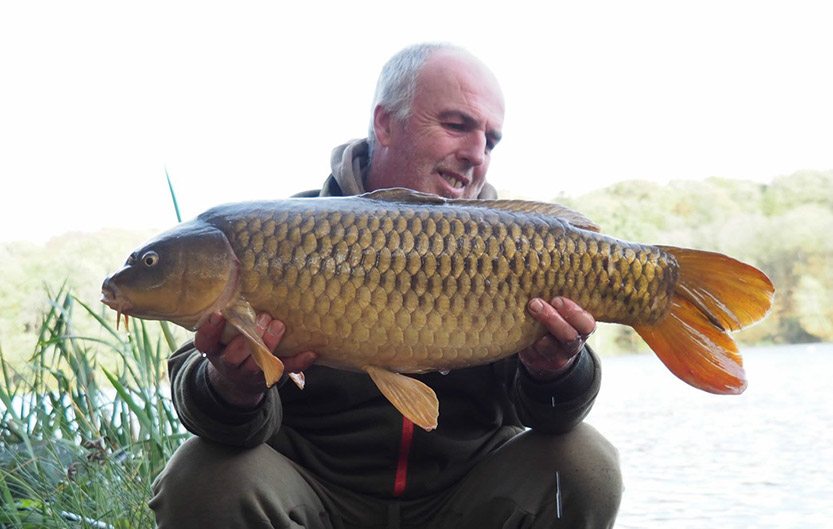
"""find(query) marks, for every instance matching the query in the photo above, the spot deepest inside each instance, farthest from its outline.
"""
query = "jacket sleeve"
(560, 405)
(205, 414)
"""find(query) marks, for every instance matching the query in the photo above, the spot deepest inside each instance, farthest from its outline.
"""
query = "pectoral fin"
(412, 398)
(241, 316)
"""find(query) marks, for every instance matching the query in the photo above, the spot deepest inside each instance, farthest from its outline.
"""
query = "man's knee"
(589, 473)
(582, 450)
(580, 469)
(569, 480)
(215, 485)
(589, 452)
(199, 466)
(200, 477)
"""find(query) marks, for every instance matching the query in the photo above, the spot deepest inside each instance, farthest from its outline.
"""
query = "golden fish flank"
(438, 281)
(400, 282)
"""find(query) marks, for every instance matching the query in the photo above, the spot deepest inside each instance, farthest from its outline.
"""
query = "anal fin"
(412, 398)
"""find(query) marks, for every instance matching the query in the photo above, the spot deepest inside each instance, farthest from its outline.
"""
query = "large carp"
(397, 281)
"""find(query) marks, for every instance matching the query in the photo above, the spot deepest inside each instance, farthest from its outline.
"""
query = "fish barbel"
(396, 281)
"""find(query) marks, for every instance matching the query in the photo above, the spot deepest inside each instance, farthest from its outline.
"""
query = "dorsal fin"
(408, 196)
(404, 195)
(549, 209)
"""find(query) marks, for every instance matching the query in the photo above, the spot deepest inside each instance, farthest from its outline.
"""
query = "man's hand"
(232, 370)
(569, 327)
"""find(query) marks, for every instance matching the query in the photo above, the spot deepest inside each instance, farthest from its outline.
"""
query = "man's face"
(445, 146)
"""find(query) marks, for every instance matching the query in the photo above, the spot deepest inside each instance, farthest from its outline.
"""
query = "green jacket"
(342, 429)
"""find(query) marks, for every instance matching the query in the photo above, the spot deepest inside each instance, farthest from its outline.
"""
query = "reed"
(88, 424)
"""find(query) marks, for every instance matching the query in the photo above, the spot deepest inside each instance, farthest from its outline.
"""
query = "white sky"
(245, 100)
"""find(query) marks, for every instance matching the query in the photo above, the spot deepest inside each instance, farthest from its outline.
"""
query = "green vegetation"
(86, 420)
(81, 443)
(78, 261)
(783, 228)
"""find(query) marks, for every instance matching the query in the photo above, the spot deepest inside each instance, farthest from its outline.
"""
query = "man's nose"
(473, 149)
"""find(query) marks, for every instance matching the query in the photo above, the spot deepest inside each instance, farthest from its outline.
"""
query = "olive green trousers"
(533, 481)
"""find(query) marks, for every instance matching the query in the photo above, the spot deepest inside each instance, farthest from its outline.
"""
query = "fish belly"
(418, 288)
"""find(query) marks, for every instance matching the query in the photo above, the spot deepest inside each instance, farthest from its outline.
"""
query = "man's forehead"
(467, 85)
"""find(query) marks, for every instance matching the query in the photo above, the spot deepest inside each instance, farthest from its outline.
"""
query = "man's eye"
(455, 126)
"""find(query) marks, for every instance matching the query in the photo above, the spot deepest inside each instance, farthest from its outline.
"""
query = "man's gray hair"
(396, 86)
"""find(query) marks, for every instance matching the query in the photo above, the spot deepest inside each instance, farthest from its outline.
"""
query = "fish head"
(181, 276)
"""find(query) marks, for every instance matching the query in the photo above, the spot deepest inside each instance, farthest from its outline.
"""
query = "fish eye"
(150, 259)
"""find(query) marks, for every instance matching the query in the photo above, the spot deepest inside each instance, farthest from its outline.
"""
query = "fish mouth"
(110, 296)
(109, 299)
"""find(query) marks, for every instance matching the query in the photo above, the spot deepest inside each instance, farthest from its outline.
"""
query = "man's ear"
(382, 121)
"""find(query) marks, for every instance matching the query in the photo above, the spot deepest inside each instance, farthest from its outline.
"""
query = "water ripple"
(693, 460)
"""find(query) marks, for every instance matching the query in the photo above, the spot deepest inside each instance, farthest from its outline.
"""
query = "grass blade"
(173, 196)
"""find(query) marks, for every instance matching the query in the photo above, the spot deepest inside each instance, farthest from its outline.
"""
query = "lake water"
(763, 459)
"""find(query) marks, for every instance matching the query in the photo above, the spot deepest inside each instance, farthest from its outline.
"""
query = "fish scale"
(366, 281)
(396, 281)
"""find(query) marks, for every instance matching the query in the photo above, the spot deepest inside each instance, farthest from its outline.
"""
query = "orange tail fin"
(714, 295)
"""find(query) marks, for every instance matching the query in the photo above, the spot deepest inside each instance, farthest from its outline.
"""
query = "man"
(337, 454)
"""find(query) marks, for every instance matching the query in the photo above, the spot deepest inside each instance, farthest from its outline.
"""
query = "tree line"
(785, 228)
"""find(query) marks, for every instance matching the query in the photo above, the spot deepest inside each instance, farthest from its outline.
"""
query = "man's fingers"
(250, 366)
(299, 362)
(563, 318)
(542, 348)
(207, 338)
(273, 334)
(238, 352)
(552, 320)
(581, 320)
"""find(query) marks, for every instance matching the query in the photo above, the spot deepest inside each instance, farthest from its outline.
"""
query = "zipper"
(404, 450)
